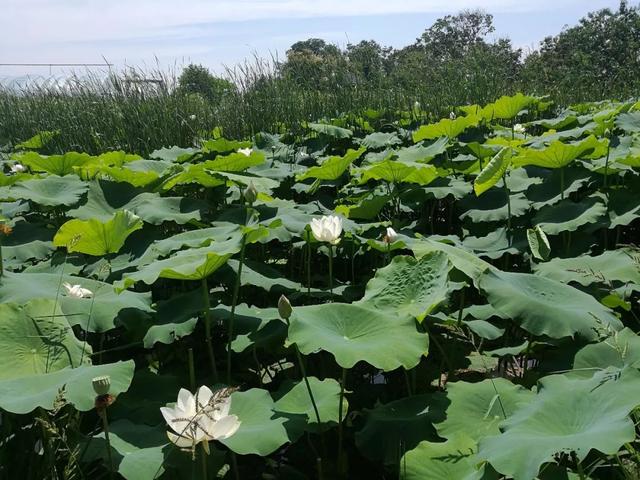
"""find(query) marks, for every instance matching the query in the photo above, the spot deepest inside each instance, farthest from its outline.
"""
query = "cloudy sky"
(223, 32)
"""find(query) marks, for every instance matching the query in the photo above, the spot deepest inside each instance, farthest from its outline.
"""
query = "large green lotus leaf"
(420, 153)
(493, 172)
(176, 317)
(477, 409)
(619, 350)
(558, 154)
(492, 206)
(400, 172)
(117, 158)
(623, 207)
(255, 326)
(156, 210)
(629, 122)
(139, 451)
(446, 127)
(330, 130)
(506, 107)
(137, 178)
(264, 185)
(496, 243)
(296, 403)
(461, 259)
(37, 338)
(193, 174)
(453, 459)
(55, 164)
(378, 140)
(538, 243)
(333, 167)
(568, 415)
(442, 187)
(569, 216)
(174, 154)
(220, 232)
(409, 286)
(73, 385)
(260, 275)
(94, 237)
(104, 307)
(546, 307)
(51, 191)
(38, 141)
(562, 121)
(222, 145)
(612, 266)
(104, 198)
(520, 179)
(16, 256)
(548, 192)
(367, 208)
(191, 264)
(354, 333)
(262, 431)
(399, 426)
(235, 162)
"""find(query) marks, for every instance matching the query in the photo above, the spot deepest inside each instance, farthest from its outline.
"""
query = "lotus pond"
(363, 297)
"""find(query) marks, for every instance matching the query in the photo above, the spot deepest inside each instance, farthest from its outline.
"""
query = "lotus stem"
(562, 183)
(331, 271)
(234, 302)
(203, 461)
(1, 260)
(207, 330)
(343, 381)
(308, 264)
(105, 427)
(506, 191)
(606, 167)
(192, 370)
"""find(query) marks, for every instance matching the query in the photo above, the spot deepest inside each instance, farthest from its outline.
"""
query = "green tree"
(595, 59)
(197, 79)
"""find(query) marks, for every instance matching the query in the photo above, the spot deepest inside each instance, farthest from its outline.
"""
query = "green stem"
(105, 427)
(1, 261)
(506, 191)
(331, 271)
(340, 422)
(308, 266)
(606, 167)
(234, 302)
(192, 370)
(203, 461)
(207, 330)
(562, 183)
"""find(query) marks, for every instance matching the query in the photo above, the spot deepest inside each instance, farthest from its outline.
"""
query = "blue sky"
(225, 32)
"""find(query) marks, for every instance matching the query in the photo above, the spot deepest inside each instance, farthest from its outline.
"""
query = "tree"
(197, 79)
(316, 64)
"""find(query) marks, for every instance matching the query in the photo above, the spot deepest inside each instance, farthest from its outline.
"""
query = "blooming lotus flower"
(452, 115)
(519, 128)
(77, 291)
(391, 236)
(18, 168)
(327, 229)
(245, 151)
(192, 117)
(201, 417)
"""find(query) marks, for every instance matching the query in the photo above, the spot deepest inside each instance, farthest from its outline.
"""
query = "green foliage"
(196, 79)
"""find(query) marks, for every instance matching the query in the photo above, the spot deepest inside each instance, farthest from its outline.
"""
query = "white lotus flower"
(77, 291)
(18, 168)
(391, 236)
(192, 117)
(245, 151)
(452, 115)
(201, 417)
(327, 229)
(519, 128)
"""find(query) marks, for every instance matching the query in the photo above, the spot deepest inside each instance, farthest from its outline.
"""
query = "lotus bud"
(250, 193)
(391, 236)
(452, 115)
(284, 308)
(102, 384)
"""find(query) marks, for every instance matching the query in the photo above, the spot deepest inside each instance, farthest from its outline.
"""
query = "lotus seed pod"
(250, 193)
(101, 385)
(284, 307)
